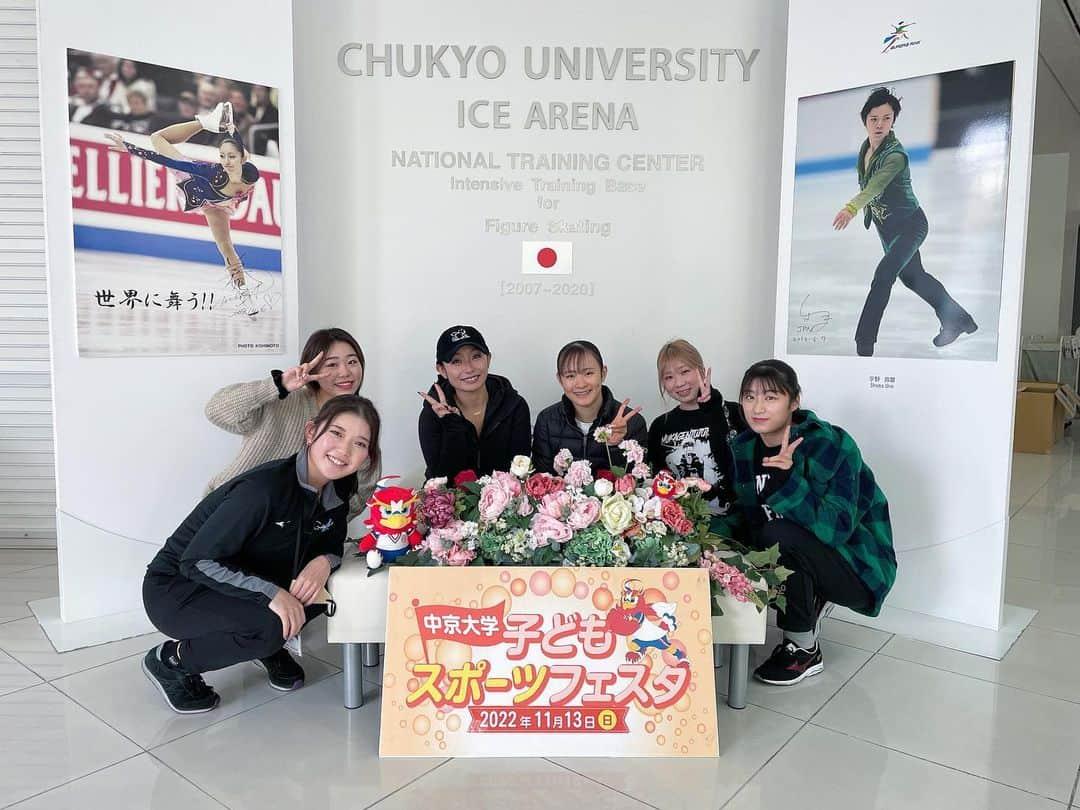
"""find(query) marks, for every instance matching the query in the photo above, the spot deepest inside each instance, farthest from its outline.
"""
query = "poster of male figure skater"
(901, 181)
(175, 196)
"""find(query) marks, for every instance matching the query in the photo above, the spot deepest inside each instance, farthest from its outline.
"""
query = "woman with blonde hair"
(691, 440)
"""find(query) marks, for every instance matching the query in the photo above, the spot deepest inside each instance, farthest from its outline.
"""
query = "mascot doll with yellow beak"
(392, 523)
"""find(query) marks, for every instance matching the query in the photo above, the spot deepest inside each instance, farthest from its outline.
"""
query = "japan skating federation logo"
(899, 37)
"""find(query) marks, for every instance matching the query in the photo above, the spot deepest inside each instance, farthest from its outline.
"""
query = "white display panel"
(935, 426)
(133, 448)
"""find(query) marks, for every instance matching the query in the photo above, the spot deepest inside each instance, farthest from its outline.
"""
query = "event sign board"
(492, 661)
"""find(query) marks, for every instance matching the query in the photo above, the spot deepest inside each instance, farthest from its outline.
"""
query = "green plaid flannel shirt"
(831, 493)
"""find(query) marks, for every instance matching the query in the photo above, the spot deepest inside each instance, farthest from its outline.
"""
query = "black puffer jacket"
(556, 428)
(450, 444)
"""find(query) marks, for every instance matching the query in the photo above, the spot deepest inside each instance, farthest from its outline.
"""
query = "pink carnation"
(635, 453)
(672, 514)
(548, 530)
(493, 501)
(579, 474)
(583, 514)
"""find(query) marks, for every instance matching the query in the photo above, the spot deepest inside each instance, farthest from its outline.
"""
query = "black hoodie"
(253, 534)
(450, 444)
(556, 428)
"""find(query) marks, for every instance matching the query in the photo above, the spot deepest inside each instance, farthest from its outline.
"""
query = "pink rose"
(681, 488)
(583, 513)
(493, 501)
(553, 504)
(525, 508)
(548, 530)
(579, 474)
(625, 485)
(508, 482)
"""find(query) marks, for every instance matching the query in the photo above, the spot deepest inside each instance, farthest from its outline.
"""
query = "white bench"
(359, 622)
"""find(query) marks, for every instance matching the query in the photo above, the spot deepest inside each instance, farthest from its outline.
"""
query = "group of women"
(246, 569)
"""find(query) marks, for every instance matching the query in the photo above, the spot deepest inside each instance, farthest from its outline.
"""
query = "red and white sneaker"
(790, 664)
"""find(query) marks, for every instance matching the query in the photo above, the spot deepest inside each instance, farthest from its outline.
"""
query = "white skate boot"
(218, 119)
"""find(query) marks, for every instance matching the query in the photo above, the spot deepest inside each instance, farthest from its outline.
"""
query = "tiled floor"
(893, 723)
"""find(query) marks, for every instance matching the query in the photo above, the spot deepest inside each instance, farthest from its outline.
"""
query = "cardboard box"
(1040, 417)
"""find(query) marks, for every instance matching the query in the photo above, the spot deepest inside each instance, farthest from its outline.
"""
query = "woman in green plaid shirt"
(802, 483)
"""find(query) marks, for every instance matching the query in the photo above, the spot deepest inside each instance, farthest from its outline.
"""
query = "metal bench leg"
(354, 681)
(738, 675)
(371, 655)
(717, 656)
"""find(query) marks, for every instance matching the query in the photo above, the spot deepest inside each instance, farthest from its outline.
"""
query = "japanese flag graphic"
(547, 258)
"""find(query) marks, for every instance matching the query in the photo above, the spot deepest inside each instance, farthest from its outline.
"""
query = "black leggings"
(820, 575)
(901, 242)
(217, 630)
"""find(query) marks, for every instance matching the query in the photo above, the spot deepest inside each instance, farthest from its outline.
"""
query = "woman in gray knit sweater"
(271, 413)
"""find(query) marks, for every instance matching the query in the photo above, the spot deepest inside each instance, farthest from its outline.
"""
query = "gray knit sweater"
(272, 428)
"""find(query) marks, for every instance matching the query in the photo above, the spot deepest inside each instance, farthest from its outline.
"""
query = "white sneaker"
(218, 119)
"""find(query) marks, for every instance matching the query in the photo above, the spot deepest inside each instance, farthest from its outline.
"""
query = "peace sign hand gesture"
(301, 375)
(705, 383)
(783, 460)
(440, 405)
(618, 425)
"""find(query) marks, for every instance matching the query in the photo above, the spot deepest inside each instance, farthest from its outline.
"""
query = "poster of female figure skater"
(176, 208)
(922, 165)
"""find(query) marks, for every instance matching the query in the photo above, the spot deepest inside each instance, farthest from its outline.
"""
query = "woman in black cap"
(471, 420)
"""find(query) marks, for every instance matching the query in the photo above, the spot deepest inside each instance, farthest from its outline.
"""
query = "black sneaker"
(185, 693)
(283, 672)
(789, 664)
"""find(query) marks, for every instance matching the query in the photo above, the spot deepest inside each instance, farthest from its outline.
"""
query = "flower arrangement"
(585, 517)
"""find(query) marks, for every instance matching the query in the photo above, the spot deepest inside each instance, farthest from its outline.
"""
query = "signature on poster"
(811, 320)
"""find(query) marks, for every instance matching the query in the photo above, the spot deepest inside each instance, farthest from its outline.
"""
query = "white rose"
(616, 514)
(521, 466)
(602, 487)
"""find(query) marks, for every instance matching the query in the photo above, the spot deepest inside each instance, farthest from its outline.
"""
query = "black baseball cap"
(454, 338)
